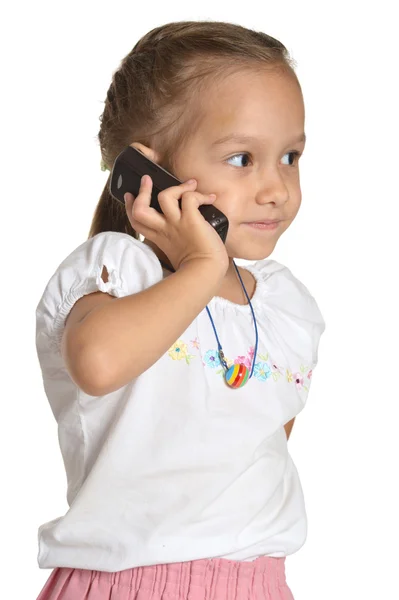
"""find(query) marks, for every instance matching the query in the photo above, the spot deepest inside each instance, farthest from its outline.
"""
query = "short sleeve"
(131, 265)
(293, 311)
(310, 316)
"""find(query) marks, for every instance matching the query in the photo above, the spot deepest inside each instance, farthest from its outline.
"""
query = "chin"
(257, 246)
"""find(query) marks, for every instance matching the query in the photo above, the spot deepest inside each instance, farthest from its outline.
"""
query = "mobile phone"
(129, 167)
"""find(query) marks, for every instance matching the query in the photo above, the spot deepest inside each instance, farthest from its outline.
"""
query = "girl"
(174, 375)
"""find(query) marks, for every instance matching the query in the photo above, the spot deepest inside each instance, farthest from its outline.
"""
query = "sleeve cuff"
(93, 283)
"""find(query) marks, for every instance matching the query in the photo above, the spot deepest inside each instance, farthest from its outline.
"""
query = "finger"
(129, 199)
(137, 226)
(141, 210)
(148, 233)
(191, 201)
(169, 199)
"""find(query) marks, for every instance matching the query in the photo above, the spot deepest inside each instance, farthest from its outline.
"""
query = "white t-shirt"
(175, 465)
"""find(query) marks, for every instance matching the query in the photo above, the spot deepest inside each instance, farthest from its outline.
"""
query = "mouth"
(267, 224)
(263, 222)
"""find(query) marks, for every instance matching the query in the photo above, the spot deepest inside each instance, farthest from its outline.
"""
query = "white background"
(57, 64)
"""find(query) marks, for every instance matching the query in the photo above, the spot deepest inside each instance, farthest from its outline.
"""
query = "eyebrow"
(244, 139)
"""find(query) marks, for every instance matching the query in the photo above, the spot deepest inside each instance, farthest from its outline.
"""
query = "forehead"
(267, 105)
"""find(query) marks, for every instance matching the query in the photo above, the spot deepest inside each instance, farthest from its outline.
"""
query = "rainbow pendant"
(237, 376)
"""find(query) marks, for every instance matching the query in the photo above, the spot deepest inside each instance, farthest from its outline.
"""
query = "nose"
(272, 188)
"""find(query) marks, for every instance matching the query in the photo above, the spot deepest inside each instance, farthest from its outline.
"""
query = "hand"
(183, 235)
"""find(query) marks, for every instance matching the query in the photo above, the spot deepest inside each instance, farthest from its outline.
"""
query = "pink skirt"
(205, 579)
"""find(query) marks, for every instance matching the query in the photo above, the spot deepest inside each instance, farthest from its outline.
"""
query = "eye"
(294, 153)
(238, 155)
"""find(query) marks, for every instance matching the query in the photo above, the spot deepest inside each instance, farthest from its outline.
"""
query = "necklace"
(238, 374)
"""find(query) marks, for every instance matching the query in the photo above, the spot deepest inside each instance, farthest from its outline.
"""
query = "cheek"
(229, 202)
(291, 212)
(296, 203)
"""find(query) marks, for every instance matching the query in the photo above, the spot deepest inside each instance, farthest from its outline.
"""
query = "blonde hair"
(155, 95)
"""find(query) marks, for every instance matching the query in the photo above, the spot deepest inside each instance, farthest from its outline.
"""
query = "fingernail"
(212, 196)
(190, 181)
(144, 179)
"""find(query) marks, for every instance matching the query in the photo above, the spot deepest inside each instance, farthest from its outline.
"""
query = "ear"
(148, 152)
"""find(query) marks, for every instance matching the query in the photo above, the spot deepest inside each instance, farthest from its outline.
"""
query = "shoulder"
(290, 309)
(131, 266)
(285, 292)
(277, 276)
(113, 245)
(120, 254)
(268, 269)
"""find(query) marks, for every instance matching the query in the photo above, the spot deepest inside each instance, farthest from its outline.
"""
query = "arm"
(288, 427)
(118, 340)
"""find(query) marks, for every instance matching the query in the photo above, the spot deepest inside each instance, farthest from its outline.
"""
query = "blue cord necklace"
(238, 374)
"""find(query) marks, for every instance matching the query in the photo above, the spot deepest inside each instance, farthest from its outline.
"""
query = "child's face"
(255, 179)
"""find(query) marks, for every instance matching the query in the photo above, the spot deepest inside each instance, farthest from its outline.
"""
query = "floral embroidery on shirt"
(264, 369)
(179, 352)
(300, 378)
(195, 343)
(212, 359)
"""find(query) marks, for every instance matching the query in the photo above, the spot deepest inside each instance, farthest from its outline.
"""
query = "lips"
(264, 222)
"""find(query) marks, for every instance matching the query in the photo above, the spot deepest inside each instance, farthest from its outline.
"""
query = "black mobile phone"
(129, 167)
